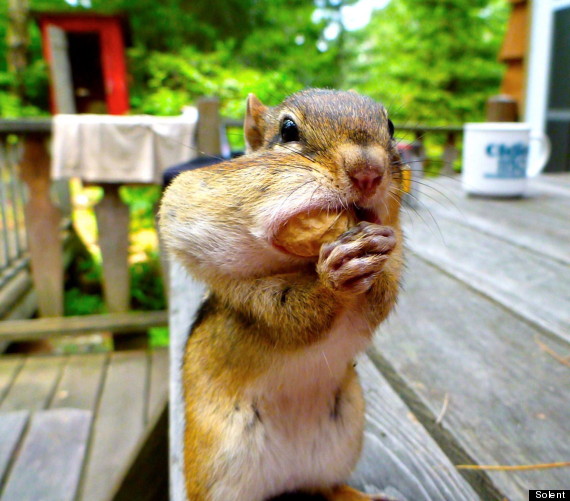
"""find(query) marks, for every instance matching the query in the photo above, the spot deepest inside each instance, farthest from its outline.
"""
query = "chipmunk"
(272, 400)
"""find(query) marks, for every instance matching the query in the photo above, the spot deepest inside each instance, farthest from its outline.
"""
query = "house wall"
(558, 107)
(548, 72)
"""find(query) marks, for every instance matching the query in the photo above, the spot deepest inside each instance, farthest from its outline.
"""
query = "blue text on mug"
(511, 160)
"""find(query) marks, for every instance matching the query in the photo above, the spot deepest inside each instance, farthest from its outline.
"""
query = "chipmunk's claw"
(353, 261)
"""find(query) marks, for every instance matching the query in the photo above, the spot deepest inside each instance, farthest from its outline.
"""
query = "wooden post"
(420, 148)
(113, 225)
(113, 220)
(43, 220)
(502, 108)
(209, 124)
(208, 144)
(450, 154)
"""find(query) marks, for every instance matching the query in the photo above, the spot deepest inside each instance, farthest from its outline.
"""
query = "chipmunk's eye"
(391, 128)
(289, 131)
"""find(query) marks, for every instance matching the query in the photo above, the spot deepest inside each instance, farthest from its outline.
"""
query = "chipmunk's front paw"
(352, 262)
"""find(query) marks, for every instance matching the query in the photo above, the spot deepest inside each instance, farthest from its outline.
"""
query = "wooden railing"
(449, 136)
(25, 143)
(13, 242)
(25, 148)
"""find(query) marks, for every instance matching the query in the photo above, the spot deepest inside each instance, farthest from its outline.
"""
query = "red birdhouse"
(86, 57)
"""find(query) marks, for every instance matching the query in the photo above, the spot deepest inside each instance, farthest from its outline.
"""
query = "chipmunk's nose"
(365, 166)
(367, 179)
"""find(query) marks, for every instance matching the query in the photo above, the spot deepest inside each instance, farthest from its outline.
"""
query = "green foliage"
(34, 102)
(83, 295)
(142, 201)
(147, 290)
(78, 302)
(165, 82)
(158, 337)
(289, 40)
(430, 61)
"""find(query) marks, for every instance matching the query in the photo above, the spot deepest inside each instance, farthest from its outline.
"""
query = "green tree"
(431, 61)
(223, 47)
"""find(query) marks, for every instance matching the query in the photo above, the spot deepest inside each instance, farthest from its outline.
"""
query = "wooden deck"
(473, 367)
(72, 426)
(478, 348)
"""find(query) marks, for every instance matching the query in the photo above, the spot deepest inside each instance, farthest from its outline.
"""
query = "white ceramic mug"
(496, 159)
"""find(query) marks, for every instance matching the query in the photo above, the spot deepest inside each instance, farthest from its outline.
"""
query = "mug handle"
(538, 164)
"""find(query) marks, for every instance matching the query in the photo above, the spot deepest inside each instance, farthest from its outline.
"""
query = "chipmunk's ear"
(254, 123)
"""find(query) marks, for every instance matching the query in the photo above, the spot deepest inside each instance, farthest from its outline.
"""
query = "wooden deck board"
(41, 328)
(148, 477)
(539, 220)
(185, 298)
(80, 383)
(520, 279)
(49, 464)
(119, 424)
(559, 180)
(158, 390)
(507, 397)
(399, 456)
(127, 392)
(9, 367)
(12, 426)
(33, 387)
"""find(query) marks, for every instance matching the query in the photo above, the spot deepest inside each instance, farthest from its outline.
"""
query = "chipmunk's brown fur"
(272, 401)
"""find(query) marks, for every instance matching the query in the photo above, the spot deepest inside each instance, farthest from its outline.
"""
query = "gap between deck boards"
(479, 480)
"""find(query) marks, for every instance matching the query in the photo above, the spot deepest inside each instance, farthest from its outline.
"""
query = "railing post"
(420, 148)
(450, 154)
(43, 221)
(501, 108)
(113, 227)
(209, 122)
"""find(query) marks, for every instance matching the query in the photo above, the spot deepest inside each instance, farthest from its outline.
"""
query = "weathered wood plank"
(9, 367)
(13, 291)
(25, 125)
(537, 222)
(113, 224)
(185, 298)
(158, 390)
(558, 180)
(81, 382)
(43, 226)
(536, 287)
(147, 477)
(12, 425)
(118, 426)
(33, 387)
(399, 456)
(209, 126)
(116, 322)
(49, 463)
(507, 396)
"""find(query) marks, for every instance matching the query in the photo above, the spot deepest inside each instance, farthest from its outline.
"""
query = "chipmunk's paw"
(352, 262)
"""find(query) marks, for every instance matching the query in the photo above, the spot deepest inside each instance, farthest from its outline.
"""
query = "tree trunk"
(18, 42)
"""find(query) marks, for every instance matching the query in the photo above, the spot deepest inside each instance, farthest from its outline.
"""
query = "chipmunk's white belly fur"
(300, 426)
